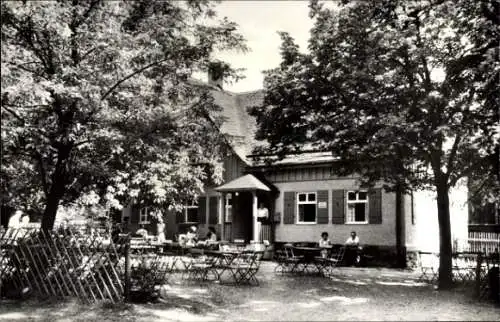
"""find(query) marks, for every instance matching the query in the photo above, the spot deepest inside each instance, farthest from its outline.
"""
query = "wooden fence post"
(127, 270)
(478, 274)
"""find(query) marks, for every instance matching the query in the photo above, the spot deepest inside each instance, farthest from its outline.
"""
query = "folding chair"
(293, 262)
(245, 267)
(429, 266)
(326, 265)
(199, 269)
(281, 261)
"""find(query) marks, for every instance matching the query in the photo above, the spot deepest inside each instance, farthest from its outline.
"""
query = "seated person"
(212, 235)
(352, 255)
(142, 232)
(324, 242)
(192, 236)
(353, 240)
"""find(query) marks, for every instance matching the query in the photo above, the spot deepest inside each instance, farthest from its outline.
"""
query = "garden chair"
(293, 262)
(326, 265)
(429, 266)
(281, 262)
(199, 268)
(245, 267)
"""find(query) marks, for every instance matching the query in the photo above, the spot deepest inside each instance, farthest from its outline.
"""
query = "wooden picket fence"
(485, 242)
(65, 263)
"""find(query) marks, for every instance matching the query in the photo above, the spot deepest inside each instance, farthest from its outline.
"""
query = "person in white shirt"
(262, 215)
(323, 243)
(353, 250)
(353, 240)
(192, 236)
(161, 229)
(142, 232)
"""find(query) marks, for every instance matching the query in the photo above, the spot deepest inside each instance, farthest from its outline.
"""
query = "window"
(306, 207)
(144, 215)
(229, 208)
(357, 207)
(191, 212)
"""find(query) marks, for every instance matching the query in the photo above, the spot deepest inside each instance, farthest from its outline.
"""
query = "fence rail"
(62, 264)
(486, 242)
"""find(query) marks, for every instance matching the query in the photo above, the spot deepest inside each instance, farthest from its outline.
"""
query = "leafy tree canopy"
(98, 106)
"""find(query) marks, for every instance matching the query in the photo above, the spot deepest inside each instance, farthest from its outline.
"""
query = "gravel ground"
(354, 294)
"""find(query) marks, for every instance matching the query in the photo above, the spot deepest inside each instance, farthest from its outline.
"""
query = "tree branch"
(140, 70)
(4, 106)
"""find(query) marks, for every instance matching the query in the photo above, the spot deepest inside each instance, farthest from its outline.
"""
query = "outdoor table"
(308, 258)
(221, 260)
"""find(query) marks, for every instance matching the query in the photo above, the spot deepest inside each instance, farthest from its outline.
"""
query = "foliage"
(98, 106)
(403, 91)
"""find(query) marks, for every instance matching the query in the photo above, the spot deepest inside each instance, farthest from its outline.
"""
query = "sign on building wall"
(322, 204)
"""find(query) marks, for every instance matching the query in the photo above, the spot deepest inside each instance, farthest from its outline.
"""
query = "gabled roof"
(247, 182)
(240, 127)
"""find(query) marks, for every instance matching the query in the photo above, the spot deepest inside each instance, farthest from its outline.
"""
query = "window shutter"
(338, 208)
(375, 206)
(289, 207)
(134, 214)
(202, 210)
(322, 213)
(179, 217)
(212, 210)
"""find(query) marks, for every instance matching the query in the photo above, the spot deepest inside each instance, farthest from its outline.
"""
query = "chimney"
(216, 74)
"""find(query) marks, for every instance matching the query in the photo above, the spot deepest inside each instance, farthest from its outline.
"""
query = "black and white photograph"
(237, 160)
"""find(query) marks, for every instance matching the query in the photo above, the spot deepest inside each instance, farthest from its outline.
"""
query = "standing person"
(262, 216)
(161, 230)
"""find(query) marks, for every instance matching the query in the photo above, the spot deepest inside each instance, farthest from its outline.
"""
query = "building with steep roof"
(303, 196)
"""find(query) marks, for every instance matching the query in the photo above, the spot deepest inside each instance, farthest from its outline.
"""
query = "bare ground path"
(354, 294)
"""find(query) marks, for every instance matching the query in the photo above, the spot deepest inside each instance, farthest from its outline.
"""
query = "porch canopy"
(250, 183)
(247, 182)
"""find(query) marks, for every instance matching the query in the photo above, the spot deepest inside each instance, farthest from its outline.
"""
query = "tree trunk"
(55, 195)
(400, 229)
(57, 190)
(445, 250)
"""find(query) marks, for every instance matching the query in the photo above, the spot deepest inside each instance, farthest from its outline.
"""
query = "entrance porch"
(242, 197)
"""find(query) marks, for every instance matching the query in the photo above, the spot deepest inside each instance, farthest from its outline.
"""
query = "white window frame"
(228, 207)
(187, 206)
(307, 202)
(348, 202)
(144, 216)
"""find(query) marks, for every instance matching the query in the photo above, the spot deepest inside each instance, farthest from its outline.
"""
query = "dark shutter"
(202, 210)
(134, 214)
(375, 206)
(289, 207)
(322, 213)
(338, 208)
(277, 217)
(179, 217)
(213, 205)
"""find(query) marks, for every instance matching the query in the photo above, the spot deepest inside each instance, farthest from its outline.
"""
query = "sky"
(259, 22)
